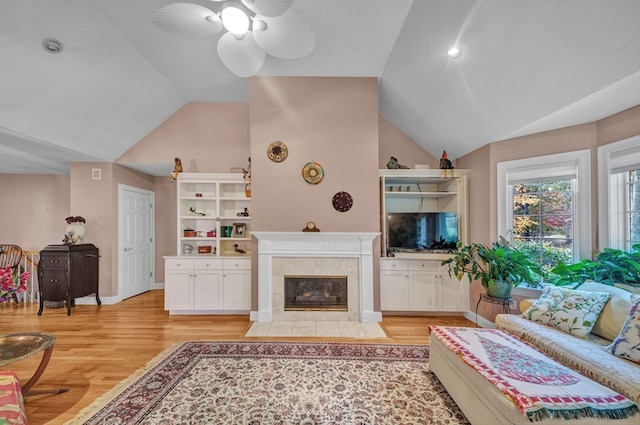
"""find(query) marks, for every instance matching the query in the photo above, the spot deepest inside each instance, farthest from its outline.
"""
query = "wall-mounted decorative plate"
(342, 201)
(277, 151)
(312, 173)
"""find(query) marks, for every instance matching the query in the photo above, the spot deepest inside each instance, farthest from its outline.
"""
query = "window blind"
(564, 170)
(625, 160)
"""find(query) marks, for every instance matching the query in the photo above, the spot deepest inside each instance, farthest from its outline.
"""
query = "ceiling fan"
(254, 28)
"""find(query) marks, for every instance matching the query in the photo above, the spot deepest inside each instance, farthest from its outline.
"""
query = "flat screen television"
(411, 232)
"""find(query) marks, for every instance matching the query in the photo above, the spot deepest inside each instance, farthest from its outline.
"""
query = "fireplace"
(282, 254)
(302, 293)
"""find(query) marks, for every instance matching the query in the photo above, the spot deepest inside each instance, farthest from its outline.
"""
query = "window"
(543, 220)
(619, 190)
(544, 206)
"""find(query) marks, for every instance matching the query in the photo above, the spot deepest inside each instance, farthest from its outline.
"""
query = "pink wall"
(332, 121)
(208, 138)
(34, 207)
(619, 126)
(394, 142)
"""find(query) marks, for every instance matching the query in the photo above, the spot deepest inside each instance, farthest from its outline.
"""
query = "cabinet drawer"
(393, 265)
(178, 264)
(53, 285)
(237, 264)
(208, 263)
(431, 266)
(54, 262)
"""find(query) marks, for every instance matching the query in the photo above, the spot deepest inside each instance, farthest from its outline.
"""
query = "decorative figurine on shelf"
(394, 164)
(445, 164)
(177, 169)
(246, 172)
(244, 213)
(237, 249)
(311, 227)
(194, 212)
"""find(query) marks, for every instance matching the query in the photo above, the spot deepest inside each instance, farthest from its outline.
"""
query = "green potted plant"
(499, 267)
(611, 266)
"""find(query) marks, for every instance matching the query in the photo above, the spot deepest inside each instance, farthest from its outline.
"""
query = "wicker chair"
(11, 255)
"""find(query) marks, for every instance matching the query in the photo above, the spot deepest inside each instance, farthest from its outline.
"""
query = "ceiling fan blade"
(268, 7)
(242, 56)
(187, 19)
(288, 36)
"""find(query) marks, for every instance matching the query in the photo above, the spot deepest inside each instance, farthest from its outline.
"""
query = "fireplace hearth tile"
(320, 328)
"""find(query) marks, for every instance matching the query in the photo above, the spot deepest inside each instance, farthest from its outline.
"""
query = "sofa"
(585, 353)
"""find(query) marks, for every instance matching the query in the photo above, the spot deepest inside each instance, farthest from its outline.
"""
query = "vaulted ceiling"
(526, 66)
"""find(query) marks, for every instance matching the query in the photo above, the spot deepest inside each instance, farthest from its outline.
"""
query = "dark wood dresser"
(67, 272)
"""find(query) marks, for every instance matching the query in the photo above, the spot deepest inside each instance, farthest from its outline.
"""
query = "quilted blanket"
(540, 387)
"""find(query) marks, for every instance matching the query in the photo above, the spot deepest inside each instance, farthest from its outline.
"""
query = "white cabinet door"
(237, 290)
(207, 290)
(178, 290)
(454, 293)
(394, 290)
(423, 291)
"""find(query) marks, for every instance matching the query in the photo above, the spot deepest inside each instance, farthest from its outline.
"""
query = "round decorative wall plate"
(312, 173)
(277, 151)
(342, 201)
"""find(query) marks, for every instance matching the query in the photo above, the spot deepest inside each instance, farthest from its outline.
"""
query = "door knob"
(128, 249)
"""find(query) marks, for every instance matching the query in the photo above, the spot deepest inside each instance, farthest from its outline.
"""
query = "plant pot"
(499, 289)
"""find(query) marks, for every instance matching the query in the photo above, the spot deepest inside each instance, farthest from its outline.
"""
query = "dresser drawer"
(237, 264)
(207, 264)
(54, 262)
(431, 266)
(178, 264)
(393, 265)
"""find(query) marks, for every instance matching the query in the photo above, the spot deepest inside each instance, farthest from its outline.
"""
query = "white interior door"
(136, 241)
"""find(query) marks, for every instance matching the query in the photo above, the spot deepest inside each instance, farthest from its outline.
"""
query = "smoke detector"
(52, 45)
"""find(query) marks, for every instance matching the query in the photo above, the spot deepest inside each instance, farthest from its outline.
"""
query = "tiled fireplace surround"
(283, 254)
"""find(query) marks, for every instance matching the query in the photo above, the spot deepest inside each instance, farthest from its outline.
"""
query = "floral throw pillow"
(568, 310)
(627, 343)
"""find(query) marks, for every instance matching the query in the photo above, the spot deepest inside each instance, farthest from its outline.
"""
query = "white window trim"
(582, 226)
(605, 153)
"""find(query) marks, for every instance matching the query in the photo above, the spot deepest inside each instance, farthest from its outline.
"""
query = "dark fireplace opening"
(315, 293)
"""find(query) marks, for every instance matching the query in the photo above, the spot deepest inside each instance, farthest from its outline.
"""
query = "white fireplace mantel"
(315, 245)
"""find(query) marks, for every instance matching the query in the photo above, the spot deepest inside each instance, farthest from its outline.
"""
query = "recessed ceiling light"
(455, 52)
(52, 45)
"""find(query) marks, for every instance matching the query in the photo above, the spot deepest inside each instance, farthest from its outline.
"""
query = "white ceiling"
(527, 66)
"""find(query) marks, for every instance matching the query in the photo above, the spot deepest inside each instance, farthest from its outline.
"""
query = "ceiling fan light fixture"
(455, 52)
(234, 19)
(258, 25)
(250, 30)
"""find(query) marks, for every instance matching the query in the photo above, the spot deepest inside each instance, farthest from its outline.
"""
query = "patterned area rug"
(275, 383)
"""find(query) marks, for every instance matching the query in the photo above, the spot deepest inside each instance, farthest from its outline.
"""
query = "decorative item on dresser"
(75, 230)
(67, 272)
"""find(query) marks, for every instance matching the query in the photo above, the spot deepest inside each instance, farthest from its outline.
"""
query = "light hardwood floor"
(97, 347)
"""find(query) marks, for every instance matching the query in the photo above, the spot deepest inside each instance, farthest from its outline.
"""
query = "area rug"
(278, 383)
